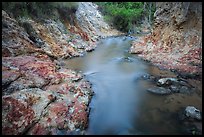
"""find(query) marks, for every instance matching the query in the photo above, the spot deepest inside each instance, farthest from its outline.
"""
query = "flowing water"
(121, 104)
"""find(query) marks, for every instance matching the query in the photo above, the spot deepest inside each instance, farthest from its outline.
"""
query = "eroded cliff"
(176, 40)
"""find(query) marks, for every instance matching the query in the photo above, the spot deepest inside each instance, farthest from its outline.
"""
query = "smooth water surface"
(121, 104)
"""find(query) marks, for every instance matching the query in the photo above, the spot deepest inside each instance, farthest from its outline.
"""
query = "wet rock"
(174, 89)
(152, 78)
(166, 81)
(193, 112)
(185, 90)
(89, 49)
(191, 125)
(146, 77)
(159, 90)
(184, 83)
(123, 59)
(127, 59)
(175, 85)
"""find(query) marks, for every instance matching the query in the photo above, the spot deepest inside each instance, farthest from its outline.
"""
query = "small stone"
(174, 88)
(146, 76)
(184, 90)
(193, 112)
(183, 83)
(166, 81)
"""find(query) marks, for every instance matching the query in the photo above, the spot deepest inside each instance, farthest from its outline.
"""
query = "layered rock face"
(176, 40)
(39, 96)
(96, 26)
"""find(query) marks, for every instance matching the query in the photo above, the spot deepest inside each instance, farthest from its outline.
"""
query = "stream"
(121, 104)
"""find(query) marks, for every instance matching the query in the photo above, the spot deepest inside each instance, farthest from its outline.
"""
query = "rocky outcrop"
(176, 40)
(167, 86)
(22, 109)
(15, 40)
(92, 22)
(39, 96)
(56, 38)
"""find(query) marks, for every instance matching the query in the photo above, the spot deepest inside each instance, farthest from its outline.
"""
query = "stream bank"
(175, 41)
(39, 97)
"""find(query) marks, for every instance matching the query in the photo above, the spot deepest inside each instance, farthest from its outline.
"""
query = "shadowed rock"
(159, 90)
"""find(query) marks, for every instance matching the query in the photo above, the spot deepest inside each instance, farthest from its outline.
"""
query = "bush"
(66, 10)
(124, 15)
(65, 5)
(16, 8)
(37, 9)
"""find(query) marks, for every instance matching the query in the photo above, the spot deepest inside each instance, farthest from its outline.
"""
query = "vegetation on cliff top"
(37, 9)
(126, 15)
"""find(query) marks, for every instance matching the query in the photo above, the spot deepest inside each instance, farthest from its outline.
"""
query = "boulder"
(193, 112)
(166, 81)
(159, 90)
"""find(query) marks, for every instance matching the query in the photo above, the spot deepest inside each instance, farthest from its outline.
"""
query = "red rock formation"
(176, 41)
(39, 96)
(22, 109)
(29, 103)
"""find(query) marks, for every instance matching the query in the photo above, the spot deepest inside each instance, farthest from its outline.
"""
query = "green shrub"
(123, 15)
(37, 9)
(66, 5)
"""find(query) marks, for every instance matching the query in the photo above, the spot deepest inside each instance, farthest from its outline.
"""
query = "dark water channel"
(121, 104)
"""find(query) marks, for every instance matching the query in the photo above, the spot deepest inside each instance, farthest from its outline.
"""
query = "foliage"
(36, 9)
(66, 5)
(123, 15)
